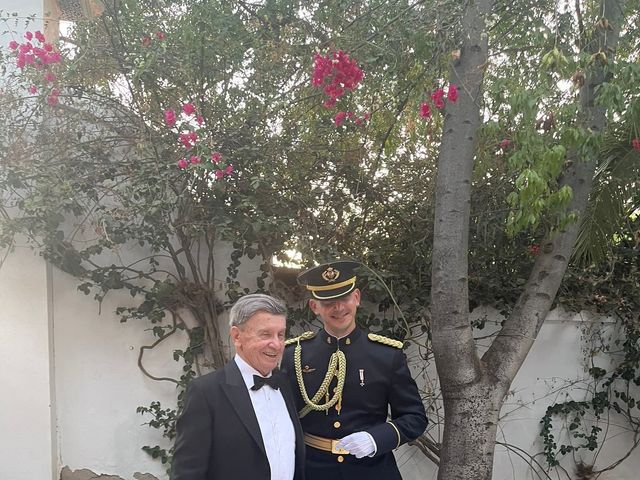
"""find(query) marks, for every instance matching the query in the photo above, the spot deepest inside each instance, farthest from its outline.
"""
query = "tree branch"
(453, 344)
(511, 346)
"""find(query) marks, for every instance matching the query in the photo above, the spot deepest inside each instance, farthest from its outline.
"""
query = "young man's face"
(260, 341)
(337, 315)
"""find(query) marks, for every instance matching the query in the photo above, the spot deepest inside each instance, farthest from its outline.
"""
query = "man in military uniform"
(346, 384)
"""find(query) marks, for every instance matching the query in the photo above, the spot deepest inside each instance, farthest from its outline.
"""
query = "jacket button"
(340, 458)
(336, 424)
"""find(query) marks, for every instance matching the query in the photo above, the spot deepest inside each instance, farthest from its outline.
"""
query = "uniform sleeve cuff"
(386, 437)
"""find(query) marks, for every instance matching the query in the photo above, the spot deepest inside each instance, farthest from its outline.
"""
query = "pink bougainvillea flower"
(322, 67)
(146, 41)
(339, 118)
(25, 47)
(55, 57)
(39, 36)
(182, 163)
(169, 118)
(52, 98)
(48, 47)
(330, 103)
(533, 249)
(635, 143)
(333, 91)
(335, 73)
(13, 45)
(188, 139)
(425, 110)
(33, 89)
(229, 169)
(504, 144)
(185, 139)
(366, 115)
(188, 109)
(160, 35)
(195, 159)
(219, 173)
(452, 93)
(358, 121)
(437, 98)
(215, 157)
(28, 36)
(199, 119)
(49, 77)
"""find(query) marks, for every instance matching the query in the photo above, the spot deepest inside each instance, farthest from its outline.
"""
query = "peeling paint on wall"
(86, 474)
(144, 476)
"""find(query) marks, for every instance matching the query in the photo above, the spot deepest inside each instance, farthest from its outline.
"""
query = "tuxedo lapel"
(238, 396)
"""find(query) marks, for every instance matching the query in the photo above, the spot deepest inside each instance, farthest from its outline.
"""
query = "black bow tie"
(259, 382)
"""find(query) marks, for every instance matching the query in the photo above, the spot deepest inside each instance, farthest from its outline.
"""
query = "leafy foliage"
(613, 291)
(93, 181)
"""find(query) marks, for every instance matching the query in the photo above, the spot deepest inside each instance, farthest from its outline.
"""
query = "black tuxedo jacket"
(218, 436)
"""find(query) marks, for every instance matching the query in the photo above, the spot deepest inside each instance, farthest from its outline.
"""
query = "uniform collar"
(343, 342)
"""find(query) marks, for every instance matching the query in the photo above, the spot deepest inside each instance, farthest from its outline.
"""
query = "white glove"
(360, 444)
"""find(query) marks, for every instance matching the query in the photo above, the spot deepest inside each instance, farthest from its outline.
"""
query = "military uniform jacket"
(377, 382)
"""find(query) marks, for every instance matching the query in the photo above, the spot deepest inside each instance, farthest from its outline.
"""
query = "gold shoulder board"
(304, 336)
(385, 340)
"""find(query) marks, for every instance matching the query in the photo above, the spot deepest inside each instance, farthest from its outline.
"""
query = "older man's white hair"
(247, 306)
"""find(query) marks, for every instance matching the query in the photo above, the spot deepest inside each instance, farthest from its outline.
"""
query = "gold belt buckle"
(336, 450)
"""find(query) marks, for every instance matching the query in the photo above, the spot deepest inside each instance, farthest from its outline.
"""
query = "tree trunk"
(470, 413)
(470, 423)
(473, 389)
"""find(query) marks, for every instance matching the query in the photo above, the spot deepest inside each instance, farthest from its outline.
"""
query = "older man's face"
(260, 341)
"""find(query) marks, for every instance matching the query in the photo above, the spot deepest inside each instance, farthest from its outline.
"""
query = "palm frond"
(615, 195)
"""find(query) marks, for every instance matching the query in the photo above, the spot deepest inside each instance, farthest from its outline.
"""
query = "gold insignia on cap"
(330, 274)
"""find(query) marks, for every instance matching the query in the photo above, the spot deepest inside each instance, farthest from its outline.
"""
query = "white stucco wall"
(554, 371)
(99, 385)
(26, 399)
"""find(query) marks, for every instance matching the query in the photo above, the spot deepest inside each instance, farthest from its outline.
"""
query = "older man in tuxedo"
(241, 421)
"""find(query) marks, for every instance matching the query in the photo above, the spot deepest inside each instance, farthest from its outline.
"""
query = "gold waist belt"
(325, 444)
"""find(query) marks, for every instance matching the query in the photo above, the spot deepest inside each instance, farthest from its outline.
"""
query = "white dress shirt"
(276, 427)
